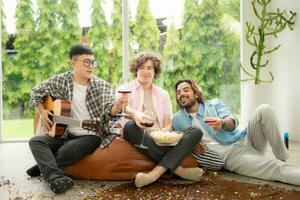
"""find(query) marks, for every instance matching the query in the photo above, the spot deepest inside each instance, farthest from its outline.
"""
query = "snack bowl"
(166, 138)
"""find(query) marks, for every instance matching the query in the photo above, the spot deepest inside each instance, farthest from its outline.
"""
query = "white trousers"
(247, 157)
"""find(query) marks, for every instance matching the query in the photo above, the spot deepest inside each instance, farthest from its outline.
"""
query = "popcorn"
(166, 137)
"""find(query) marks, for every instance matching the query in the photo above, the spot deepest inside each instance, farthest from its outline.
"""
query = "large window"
(198, 39)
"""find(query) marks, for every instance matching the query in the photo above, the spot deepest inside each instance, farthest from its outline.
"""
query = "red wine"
(124, 91)
(148, 124)
(210, 120)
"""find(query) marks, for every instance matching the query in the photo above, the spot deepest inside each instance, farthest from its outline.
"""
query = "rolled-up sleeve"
(110, 101)
(224, 111)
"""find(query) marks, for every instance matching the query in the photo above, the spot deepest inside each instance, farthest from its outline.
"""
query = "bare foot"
(192, 174)
(142, 179)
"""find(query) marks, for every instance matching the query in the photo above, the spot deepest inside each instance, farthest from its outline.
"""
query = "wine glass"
(148, 121)
(122, 90)
(210, 115)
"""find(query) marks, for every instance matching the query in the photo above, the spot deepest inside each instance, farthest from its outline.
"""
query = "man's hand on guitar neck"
(46, 122)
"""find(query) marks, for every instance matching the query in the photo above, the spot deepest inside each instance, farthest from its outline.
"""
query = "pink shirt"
(160, 98)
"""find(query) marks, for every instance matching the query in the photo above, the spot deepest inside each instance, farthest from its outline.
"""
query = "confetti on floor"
(210, 187)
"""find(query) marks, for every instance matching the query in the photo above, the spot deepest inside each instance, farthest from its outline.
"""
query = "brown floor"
(212, 186)
(15, 158)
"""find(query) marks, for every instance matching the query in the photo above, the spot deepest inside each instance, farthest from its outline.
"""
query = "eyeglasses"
(87, 62)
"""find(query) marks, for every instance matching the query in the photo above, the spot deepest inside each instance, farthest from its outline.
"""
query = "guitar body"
(61, 110)
(57, 107)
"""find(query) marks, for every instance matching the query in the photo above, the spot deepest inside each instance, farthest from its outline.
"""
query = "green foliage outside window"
(208, 52)
(202, 49)
(145, 29)
(4, 35)
(171, 54)
(20, 74)
(232, 8)
(208, 70)
(49, 47)
(4, 58)
(190, 53)
(69, 33)
(98, 36)
(172, 46)
(116, 37)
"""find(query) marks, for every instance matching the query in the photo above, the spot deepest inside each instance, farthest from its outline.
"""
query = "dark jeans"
(169, 157)
(50, 152)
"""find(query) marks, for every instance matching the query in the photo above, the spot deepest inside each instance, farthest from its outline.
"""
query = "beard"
(189, 104)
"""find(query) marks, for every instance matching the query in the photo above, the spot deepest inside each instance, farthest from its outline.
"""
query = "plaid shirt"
(100, 98)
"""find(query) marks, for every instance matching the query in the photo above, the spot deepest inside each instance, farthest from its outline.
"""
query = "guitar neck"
(67, 121)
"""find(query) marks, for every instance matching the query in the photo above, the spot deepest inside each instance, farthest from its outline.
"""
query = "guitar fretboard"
(67, 121)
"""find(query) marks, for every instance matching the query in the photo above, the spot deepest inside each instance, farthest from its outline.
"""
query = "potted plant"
(270, 23)
(266, 25)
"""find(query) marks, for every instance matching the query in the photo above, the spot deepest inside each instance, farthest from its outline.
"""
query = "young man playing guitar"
(90, 97)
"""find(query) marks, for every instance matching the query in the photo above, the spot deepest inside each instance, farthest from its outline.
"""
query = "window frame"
(125, 63)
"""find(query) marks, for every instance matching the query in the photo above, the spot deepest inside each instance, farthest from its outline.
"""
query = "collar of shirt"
(137, 85)
(70, 78)
(200, 111)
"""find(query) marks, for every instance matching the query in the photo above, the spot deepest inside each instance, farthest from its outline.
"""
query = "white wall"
(284, 92)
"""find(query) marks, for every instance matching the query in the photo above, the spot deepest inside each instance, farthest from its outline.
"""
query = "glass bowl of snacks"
(166, 138)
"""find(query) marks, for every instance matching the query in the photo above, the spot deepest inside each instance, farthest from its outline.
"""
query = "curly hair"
(197, 89)
(144, 57)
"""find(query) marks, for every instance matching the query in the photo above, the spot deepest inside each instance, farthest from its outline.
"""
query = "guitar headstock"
(91, 125)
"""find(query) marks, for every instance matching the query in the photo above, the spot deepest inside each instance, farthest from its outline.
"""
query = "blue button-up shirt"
(182, 120)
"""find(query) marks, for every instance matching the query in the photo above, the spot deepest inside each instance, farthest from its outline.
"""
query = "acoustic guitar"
(61, 118)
